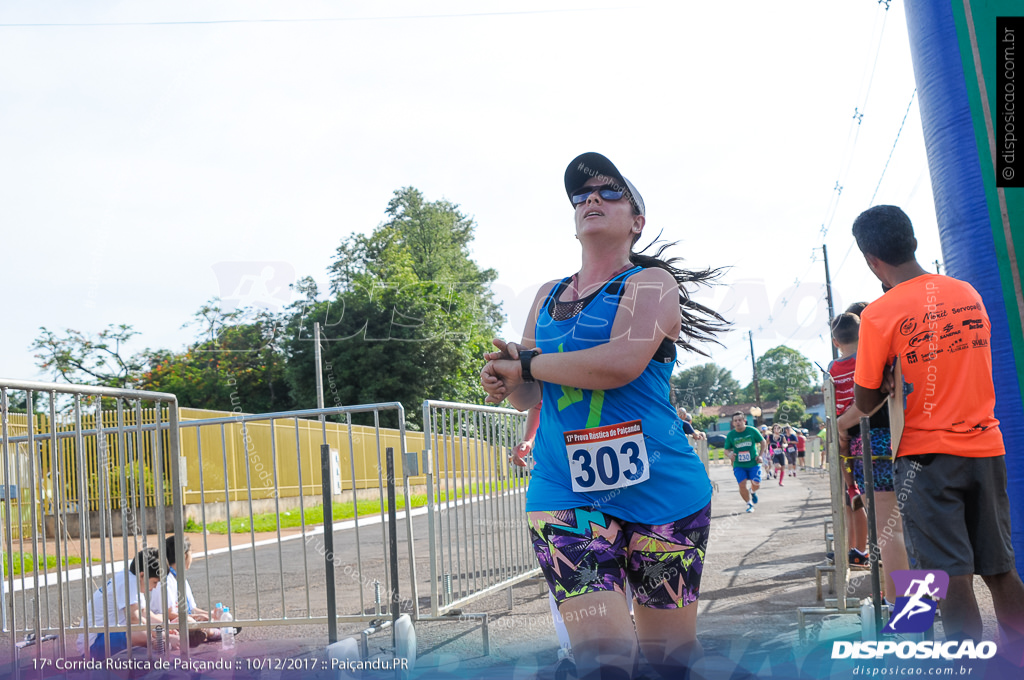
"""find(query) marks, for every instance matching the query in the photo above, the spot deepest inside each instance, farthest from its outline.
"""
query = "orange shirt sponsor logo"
(938, 325)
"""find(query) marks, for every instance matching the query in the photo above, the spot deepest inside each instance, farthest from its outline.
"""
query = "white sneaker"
(750, 507)
(565, 668)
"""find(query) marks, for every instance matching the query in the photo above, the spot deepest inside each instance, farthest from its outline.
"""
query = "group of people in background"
(787, 449)
(763, 453)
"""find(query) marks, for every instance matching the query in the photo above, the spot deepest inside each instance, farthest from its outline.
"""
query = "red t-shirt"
(939, 328)
(841, 371)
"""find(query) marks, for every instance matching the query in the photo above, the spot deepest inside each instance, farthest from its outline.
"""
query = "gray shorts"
(956, 514)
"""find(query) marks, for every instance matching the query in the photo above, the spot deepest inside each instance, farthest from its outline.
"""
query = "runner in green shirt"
(744, 446)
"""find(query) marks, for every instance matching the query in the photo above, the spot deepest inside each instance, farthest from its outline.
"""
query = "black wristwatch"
(525, 357)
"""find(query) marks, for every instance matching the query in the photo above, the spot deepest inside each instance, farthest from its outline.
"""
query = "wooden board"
(896, 420)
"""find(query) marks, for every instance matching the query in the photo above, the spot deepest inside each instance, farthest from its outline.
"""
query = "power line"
(849, 250)
(893, 149)
(209, 22)
(811, 315)
(853, 135)
(882, 176)
(856, 121)
(855, 124)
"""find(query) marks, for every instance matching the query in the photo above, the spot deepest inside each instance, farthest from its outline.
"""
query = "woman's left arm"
(648, 312)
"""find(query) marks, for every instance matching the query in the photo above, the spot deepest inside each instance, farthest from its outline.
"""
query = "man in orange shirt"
(950, 463)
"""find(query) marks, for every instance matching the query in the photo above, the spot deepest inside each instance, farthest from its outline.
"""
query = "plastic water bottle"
(218, 611)
(158, 642)
(227, 633)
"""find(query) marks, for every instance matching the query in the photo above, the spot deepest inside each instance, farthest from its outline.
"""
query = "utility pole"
(828, 295)
(757, 383)
(319, 367)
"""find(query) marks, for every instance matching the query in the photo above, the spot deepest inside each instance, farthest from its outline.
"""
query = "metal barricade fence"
(837, 537)
(715, 455)
(282, 474)
(838, 488)
(279, 475)
(700, 446)
(479, 539)
(81, 493)
(815, 453)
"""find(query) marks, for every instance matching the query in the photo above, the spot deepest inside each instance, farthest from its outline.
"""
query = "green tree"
(704, 423)
(708, 384)
(784, 373)
(435, 237)
(410, 315)
(791, 412)
(237, 363)
(86, 359)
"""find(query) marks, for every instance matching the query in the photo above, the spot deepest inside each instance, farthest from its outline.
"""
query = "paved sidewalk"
(759, 569)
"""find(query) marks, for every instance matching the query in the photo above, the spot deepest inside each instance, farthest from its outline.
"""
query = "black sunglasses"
(608, 192)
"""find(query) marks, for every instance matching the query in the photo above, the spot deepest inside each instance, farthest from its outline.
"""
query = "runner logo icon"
(915, 611)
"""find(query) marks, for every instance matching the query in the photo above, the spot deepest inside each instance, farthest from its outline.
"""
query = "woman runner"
(776, 449)
(617, 492)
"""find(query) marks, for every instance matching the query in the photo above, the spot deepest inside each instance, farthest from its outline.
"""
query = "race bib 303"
(608, 457)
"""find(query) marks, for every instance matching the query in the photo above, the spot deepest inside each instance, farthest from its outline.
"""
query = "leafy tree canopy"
(410, 317)
(703, 423)
(784, 373)
(430, 238)
(237, 363)
(87, 359)
(708, 384)
(791, 412)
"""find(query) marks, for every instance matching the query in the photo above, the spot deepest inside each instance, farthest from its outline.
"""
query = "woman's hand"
(489, 380)
(522, 450)
(492, 384)
(506, 350)
(500, 378)
(503, 373)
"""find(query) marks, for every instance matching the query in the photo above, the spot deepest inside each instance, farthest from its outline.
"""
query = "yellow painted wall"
(215, 452)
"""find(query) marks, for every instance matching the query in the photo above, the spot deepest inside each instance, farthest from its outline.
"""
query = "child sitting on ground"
(174, 601)
(110, 606)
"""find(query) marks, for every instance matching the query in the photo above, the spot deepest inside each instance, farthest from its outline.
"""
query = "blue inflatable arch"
(959, 58)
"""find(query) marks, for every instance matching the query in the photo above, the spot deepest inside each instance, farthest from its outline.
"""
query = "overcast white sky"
(183, 150)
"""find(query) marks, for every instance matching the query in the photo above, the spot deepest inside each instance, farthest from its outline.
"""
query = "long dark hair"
(700, 324)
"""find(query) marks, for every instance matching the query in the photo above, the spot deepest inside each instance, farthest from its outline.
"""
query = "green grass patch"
(24, 564)
(314, 515)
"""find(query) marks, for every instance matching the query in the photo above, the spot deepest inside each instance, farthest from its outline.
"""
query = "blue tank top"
(590, 438)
